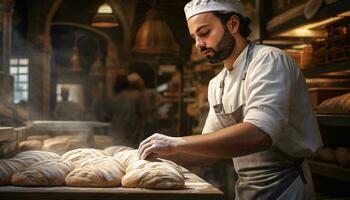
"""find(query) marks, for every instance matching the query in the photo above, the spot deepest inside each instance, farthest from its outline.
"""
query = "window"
(20, 72)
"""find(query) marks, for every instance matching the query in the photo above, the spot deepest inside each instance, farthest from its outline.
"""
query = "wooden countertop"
(195, 188)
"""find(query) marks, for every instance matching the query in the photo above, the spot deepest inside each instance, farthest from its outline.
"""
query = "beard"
(223, 49)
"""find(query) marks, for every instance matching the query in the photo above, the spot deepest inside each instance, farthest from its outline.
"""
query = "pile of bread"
(340, 156)
(87, 167)
(63, 143)
(335, 105)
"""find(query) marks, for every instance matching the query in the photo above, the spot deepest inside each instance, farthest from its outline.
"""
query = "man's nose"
(200, 43)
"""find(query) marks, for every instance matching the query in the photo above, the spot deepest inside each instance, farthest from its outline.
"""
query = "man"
(152, 100)
(66, 109)
(260, 112)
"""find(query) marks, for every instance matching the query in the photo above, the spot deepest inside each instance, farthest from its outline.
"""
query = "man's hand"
(158, 145)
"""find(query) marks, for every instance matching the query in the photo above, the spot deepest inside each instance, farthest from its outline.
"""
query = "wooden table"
(195, 189)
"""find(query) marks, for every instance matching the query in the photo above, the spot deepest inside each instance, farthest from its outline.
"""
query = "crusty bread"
(153, 175)
(31, 157)
(9, 167)
(112, 150)
(335, 105)
(64, 143)
(55, 144)
(78, 155)
(127, 157)
(96, 172)
(38, 137)
(44, 173)
(103, 141)
(28, 145)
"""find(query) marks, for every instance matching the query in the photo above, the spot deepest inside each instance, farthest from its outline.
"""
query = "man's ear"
(233, 24)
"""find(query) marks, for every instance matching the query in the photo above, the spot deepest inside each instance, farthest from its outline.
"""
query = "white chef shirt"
(274, 96)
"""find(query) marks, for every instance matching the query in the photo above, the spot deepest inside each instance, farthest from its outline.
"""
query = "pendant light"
(155, 36)
(74, 62)
(105, 17)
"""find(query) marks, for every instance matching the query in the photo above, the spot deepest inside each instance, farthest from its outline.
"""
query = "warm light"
(105, 9)
(104, 17)
(309, 30)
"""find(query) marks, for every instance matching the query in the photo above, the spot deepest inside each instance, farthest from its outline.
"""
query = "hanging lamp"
(74, 61)
(105, 17)
(155, 36)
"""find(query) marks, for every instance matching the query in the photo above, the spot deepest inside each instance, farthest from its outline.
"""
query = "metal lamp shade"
(105, 20)
(155, 36)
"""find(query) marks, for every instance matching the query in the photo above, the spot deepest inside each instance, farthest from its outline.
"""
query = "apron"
(262, 175)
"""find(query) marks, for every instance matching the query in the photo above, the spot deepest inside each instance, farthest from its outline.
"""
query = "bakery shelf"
(294, 17)
(330, 170)
(333, 120)
(326, 68)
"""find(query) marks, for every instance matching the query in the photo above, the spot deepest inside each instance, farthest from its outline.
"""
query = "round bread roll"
(8, 167)
(77, 155)
(31, 157)
(153, 175)
(327, 154)
(112, 150)
(28, 145)
(127, 157)
(96, 172)
(44, 173)
(341, 155)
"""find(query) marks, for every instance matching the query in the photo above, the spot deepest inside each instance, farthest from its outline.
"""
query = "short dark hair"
(244, 29)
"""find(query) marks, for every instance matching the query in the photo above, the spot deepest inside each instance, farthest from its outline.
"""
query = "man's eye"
(204, 33)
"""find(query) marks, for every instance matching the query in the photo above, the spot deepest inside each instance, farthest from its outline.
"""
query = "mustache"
(202, 49)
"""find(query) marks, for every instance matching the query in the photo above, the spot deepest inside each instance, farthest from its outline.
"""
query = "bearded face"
(222, 50)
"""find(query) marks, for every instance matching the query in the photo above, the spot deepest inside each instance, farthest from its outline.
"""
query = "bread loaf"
(127, 157)
(55, 144)
(112, 150)
(28, 145)
(96, 172)
(44, 173)
(335, 105)
(77, 155)
(153, 175)
(38, 137)
(342, 154)
(31, 157)
(9, 167)
(327, 154)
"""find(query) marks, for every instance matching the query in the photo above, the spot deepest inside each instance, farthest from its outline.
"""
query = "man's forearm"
(234, 141)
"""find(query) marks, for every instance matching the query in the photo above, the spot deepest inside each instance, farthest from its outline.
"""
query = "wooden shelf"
(330, 170)
(333, 120)
(295, 17)
(326, 68)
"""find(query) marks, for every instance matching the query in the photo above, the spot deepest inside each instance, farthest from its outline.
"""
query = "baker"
(260, 110)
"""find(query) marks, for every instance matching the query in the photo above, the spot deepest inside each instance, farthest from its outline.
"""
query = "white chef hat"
(195, 7)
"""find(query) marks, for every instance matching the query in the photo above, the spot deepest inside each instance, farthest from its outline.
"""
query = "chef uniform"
(267, 89)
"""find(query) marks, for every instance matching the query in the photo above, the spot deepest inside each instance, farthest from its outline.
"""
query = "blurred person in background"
(125, 112)
(152, 100)
(68, 110)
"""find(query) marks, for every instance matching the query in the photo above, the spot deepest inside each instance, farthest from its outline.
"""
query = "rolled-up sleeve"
(268, 93)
